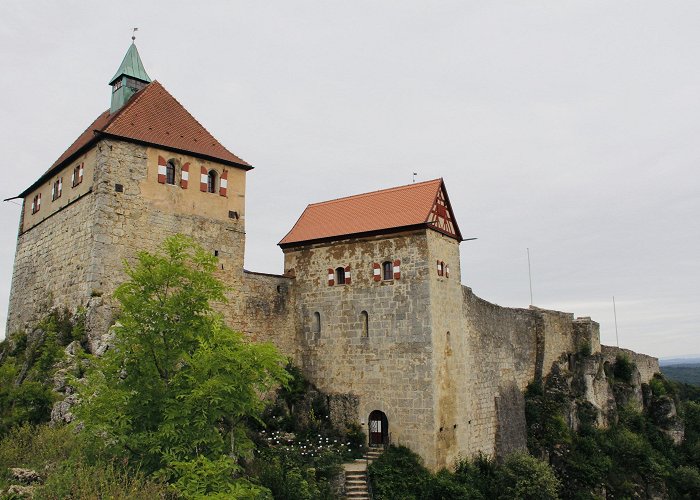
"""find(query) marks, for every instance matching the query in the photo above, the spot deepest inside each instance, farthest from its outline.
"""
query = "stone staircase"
(356, 476)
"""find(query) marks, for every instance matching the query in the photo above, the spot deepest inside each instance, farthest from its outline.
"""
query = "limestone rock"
(61, 411)
(20, 491)
(24, 476)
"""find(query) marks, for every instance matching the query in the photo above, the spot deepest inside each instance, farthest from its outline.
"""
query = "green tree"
(179, 385)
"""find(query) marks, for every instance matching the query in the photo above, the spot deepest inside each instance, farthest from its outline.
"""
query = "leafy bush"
(77, 480)
(522, 476)
(623, 368)
(399, 473)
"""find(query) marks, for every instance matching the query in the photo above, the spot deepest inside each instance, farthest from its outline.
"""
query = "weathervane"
(133, 35)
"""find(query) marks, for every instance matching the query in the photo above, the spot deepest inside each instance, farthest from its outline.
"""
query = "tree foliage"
(179, 385)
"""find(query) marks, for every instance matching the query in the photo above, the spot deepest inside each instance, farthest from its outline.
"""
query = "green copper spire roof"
(131, 66)
(129, 79)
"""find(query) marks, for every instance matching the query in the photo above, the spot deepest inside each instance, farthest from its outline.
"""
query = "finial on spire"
(133, 35)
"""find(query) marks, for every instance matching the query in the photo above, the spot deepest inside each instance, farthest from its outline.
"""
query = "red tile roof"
(152, 116)
(376, 212)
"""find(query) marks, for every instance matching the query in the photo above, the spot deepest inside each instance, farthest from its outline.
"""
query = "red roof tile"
(152, 116)
(375, 212)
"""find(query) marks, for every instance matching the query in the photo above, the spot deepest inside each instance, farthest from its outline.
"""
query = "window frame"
(170, 167)
(387, 265)
(212, 177)
(340, 275)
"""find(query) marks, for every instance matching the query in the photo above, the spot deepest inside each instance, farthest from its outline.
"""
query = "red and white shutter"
(377, 271)
(162, 170)
(447, 271)
(80, 173)
(331, 277)
(203, 179)
(53, 191)
(185, 176)
(60, 186)
(38, 202)
(347, 275)
(439, 268)
(34, 205)
(397, 269)
(72, 178)
(223, 183)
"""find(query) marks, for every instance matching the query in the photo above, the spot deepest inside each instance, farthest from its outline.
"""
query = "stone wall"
(267, 312)
(391, 368)
(130, 220)
(646, 365)
(502, 356)
(52, 263)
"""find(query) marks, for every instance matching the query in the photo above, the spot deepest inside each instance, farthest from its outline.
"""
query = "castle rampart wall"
(502, 358)
(647, 365)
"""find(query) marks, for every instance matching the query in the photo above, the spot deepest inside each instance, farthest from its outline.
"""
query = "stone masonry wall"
(51, 264)
(450, 348)
(502, 354)
(647, 365)
(391, 368)
(128, 221)
(267, 312)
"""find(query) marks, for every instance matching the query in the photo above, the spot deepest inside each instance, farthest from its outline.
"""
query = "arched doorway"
(378, 429)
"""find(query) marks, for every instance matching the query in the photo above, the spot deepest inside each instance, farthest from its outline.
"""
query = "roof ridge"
(371, 193)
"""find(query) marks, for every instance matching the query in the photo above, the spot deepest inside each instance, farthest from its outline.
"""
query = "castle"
(370, 305)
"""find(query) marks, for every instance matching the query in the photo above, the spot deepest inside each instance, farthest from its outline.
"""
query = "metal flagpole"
(529, 272)
(617, 338)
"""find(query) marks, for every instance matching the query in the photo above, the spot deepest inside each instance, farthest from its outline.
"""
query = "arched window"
(340, 276)
(388, 270)
(170, 172)
(211, 181)
(364, 317)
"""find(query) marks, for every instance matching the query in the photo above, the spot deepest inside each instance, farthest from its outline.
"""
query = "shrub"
(686, 482)
(524, 477)
(624, 368)
(398, 474)
(79, 480)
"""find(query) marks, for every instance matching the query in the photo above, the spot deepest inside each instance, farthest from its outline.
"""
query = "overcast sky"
(569, 127)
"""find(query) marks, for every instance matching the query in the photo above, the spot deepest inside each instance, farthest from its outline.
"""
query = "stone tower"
(143, 170)
(377, 276)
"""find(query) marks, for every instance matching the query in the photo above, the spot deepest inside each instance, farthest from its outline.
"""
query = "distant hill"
(688, 373)
(692, 359)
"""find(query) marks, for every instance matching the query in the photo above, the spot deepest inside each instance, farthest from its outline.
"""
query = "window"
(364, 317)
(211, 181)
(36, 203)
(77, 176)
(57, 189)
(340, 276)
(387, 270)
(316, 326)
(170, 172)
